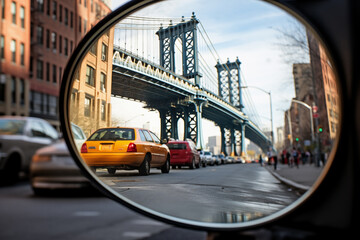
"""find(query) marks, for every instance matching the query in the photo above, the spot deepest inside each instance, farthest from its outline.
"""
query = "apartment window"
(53, 41)
(102, 82)
(13, 50)
(22, 92)
(22, 54)
(85, 25)
(103, 110)
(47, 75)
(39, 69)
(90, 75)
(60, 13)
(93, 48)
(48, 7)
(3, 9)
(54, 74)
(47, 38)
(66, 17)
(71, 19)
(13, 90)
(2, 47)
(60, 44)
(40, 35)
(22, 17)
(80, 24)
(87, 105)
(40, 5)
(54, 10)
(52, 105)
(13, 12)
(66, 46)
(2, 90)
(104, 52)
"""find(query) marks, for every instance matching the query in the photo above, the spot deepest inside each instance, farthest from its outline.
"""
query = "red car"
(184, 153)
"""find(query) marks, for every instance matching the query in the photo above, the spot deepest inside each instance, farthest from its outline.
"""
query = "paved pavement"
(301, 178)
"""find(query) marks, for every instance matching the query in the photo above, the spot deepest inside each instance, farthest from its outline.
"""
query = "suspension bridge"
(164, 63)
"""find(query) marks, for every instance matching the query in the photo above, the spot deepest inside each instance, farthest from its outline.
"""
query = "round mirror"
(209, 113)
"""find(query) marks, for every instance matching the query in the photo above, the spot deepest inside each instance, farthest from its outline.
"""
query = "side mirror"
(132, 78)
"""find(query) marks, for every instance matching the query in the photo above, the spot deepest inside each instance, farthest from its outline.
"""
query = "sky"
(237, 28)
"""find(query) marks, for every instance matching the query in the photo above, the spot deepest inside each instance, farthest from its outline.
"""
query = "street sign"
(315, 115)
(314, 109)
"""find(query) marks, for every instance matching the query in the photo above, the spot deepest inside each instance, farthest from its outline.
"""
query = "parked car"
(229, 159)
(184, 153)
(222, 158)
(52, 167)
(202, 158)
(20, 137)
(209, 158)
(239, 159)
(125, 148)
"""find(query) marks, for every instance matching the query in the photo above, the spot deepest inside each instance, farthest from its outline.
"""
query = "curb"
(301, 188)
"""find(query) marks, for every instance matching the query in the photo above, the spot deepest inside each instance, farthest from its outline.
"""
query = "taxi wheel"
(166, 167)
(144, 169)
(111, 171)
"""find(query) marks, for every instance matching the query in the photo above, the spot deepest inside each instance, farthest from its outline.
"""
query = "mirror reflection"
(219, 113)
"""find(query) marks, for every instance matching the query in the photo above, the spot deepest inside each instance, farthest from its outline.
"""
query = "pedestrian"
(275, 161)
(260, 160)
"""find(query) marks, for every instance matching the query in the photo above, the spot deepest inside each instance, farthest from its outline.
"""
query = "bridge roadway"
(138, 79)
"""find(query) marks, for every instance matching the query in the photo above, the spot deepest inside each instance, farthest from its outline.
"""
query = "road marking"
(137, 234)
(86, 214)
(147, 222)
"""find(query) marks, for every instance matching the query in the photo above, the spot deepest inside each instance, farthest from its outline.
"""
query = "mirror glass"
(209, 111)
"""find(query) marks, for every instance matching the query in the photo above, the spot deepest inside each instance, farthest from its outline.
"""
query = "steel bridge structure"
(181, 96)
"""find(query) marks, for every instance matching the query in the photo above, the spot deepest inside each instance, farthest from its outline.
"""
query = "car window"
(49, 131)
(11, 127)
(156, 139)
(177, 146)
(147, 136)
(77, 132)
(142, 136)
(113, 134)
(36, 129)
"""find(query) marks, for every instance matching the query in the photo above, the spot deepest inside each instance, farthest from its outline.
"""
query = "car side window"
(50, 132)
(142, 136)
(156, 139)
(37, 129)
(147, 136)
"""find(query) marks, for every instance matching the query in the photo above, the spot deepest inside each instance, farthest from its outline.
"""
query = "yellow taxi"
(125, 148)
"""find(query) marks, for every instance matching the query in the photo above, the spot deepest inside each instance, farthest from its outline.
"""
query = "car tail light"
(84, 148)
(132, 147)
(41, 158)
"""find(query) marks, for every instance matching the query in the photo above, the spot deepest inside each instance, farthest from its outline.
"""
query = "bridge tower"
(187, 33)
(230, 90)
(190, 110)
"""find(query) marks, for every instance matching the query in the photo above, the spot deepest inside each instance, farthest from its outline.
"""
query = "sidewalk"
(301, 178)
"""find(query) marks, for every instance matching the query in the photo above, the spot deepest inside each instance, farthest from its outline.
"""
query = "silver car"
(52, 167)
(20, 137)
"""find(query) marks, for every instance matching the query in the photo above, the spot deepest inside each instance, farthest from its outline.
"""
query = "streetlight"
(311, 116)
(271, 114)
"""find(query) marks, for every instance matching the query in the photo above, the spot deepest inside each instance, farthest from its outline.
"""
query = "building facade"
(40, 35)
(14, 57)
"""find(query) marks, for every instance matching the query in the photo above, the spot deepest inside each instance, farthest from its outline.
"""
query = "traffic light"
(297, 139)
(320, 129)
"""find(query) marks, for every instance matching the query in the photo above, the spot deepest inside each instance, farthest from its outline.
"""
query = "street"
(218, 194)
(247, 191)
(83, 215)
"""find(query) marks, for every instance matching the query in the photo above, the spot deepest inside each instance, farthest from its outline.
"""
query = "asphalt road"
(237, 192)
(75, 215)
(218, 194)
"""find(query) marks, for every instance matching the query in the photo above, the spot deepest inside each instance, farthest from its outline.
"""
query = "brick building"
(41, 34)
